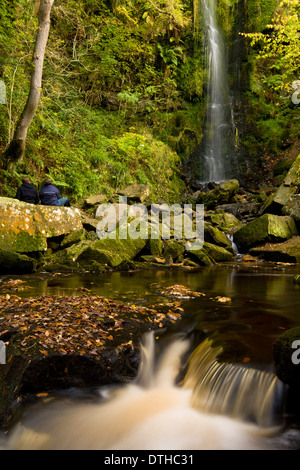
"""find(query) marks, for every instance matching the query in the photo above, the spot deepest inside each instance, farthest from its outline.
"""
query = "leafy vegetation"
(123, 96)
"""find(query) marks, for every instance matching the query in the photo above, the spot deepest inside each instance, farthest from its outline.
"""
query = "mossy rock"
(112, 251)
(223, 193)
(155, 246)
(70, 267)
(174, 249)
(16, 263)
(289, 187)
(267, 228)
(286, 357)
(216, 236)
(73, 238)
(210, 254)
(218, 253)
(200, 257)
(225, 221)
(286, 252)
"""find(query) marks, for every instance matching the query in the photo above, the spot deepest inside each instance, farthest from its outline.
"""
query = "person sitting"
(50, 195)
(27, 192)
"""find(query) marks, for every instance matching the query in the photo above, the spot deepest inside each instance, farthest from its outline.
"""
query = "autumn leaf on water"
(223, 299)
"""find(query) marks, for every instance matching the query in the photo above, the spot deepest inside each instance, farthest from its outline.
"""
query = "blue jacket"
(49, 195)
(27, 193)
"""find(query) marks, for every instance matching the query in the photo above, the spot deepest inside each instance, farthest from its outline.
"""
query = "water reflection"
(264, 301)
(261, 303)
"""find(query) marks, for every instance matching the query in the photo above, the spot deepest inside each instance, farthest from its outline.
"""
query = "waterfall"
(217, 144)
(243, 393)
(216, 407)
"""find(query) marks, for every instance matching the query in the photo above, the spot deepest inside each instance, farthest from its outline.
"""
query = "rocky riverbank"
(39, 238)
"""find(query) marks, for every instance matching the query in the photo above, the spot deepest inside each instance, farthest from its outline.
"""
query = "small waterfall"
(209, 411)
(218, 138)
(245, 394)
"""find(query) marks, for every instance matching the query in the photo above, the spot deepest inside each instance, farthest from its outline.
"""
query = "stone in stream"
(268, 228)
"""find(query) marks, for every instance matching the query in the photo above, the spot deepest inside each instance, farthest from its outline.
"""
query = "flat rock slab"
(24, 228)
(286, 252)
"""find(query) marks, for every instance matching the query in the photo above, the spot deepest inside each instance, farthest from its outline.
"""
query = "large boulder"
(210, 254)
(286, 252)
(225, 221)
(267, 228)
(289, 187)
(112, 251)
(286, 354)
(16, 263)
(215, 236)
(292, 207)
(24, 228)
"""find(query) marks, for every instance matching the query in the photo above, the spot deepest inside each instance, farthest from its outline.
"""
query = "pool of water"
(244, 307)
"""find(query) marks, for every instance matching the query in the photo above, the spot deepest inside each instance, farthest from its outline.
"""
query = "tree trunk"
(16, 148)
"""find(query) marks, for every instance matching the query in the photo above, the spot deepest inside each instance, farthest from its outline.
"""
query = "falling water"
(228, 389)
(218, 138)
(155, 413)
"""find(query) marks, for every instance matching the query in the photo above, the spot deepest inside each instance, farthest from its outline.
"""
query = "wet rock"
(223, 193)
(112, 252)
(286, 353)
(286, 252)
(25, 228)
(16, 263)
(216, 236)
(267, 228)
(288, 188)
(224, 221)
(292, 207)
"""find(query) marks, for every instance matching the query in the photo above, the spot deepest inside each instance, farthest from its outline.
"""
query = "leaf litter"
(80, 324)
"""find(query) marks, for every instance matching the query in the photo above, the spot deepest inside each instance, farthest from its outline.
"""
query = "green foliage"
(123, 96)
(279, 46)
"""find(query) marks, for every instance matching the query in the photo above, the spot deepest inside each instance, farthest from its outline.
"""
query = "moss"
(225, 221)
(22, 242)
(16, 263)
(112, 251)
(217, 253)
(216, 236)
(267, 228)
(223, 193)
(175, 249)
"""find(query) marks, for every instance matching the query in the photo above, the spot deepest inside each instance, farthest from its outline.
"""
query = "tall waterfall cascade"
(218, 142)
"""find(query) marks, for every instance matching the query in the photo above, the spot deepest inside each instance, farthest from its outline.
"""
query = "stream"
(244, 307)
